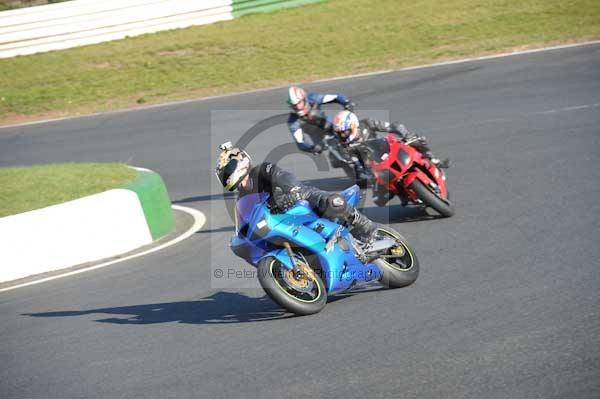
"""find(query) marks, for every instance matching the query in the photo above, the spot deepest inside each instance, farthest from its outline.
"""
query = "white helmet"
(233, 166)
(297, 100)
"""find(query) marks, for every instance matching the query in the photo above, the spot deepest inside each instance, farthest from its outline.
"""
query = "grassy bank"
(328, 39)
(34, 187)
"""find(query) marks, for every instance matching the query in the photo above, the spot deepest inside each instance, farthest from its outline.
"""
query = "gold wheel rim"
(403, 248)
(283, 289)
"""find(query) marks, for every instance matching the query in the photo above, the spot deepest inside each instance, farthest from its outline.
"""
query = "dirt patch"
(20, 119)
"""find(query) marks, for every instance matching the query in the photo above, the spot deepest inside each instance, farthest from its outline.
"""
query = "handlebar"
(411, 139)
(332, 150)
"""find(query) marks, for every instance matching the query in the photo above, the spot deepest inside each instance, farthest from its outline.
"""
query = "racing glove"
(399, 129)
(284, 201)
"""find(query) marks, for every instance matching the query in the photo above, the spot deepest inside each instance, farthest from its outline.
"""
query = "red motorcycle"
(405, 172)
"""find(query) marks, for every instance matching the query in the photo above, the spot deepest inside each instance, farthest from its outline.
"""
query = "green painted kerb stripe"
(153, 195)
(244, 7)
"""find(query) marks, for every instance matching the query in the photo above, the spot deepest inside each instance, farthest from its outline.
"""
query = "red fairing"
(402, 165)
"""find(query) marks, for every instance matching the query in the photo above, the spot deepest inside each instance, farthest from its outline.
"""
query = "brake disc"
(302, 284)
(398, 251)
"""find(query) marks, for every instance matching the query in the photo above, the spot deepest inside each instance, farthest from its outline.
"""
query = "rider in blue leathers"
(306, 123)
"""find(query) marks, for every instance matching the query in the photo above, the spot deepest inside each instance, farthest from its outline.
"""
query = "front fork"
(418, 174)
(298, 270)
(290, 254)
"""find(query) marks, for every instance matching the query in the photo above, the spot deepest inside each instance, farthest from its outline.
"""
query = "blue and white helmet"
(345, 125)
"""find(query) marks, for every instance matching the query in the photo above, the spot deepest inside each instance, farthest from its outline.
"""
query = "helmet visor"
(225, 173)
(299, 106)
(344, 134)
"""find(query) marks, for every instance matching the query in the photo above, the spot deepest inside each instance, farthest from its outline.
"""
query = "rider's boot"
(381, 195)
(363, 228)
(334, 207)
(403, 200)
(361, 173)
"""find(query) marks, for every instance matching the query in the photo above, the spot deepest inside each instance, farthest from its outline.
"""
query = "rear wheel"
(302, 293)
(432, 199)
(400, 266)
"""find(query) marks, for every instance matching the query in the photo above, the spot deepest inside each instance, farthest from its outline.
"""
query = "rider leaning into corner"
(235, 171)
(352, 132)
(306, 114)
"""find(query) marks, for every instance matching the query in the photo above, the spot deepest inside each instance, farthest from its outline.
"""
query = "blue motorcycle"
(302, 258)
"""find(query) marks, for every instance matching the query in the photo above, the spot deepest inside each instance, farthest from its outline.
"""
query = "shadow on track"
(222, 229)
(209, 197)
(219, 308)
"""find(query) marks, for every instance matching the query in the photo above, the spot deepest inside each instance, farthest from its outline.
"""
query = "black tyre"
(431, 199)
(303, 296)
(401, 270)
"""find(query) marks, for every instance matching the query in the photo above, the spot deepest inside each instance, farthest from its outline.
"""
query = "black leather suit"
(286, 191)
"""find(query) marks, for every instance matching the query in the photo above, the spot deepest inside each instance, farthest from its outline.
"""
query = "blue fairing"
(351, 195)
(260, 234)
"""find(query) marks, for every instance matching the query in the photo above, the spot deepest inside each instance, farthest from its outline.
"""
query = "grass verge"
(33, 187)
(324, 40)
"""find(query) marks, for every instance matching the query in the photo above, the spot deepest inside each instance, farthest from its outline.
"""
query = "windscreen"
(245, 205)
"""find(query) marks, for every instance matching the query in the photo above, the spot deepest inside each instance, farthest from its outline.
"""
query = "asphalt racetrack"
(507, 304)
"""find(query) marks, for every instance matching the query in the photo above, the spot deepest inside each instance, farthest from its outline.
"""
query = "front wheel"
(399, 266)
(300, 294)
(431, 199)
